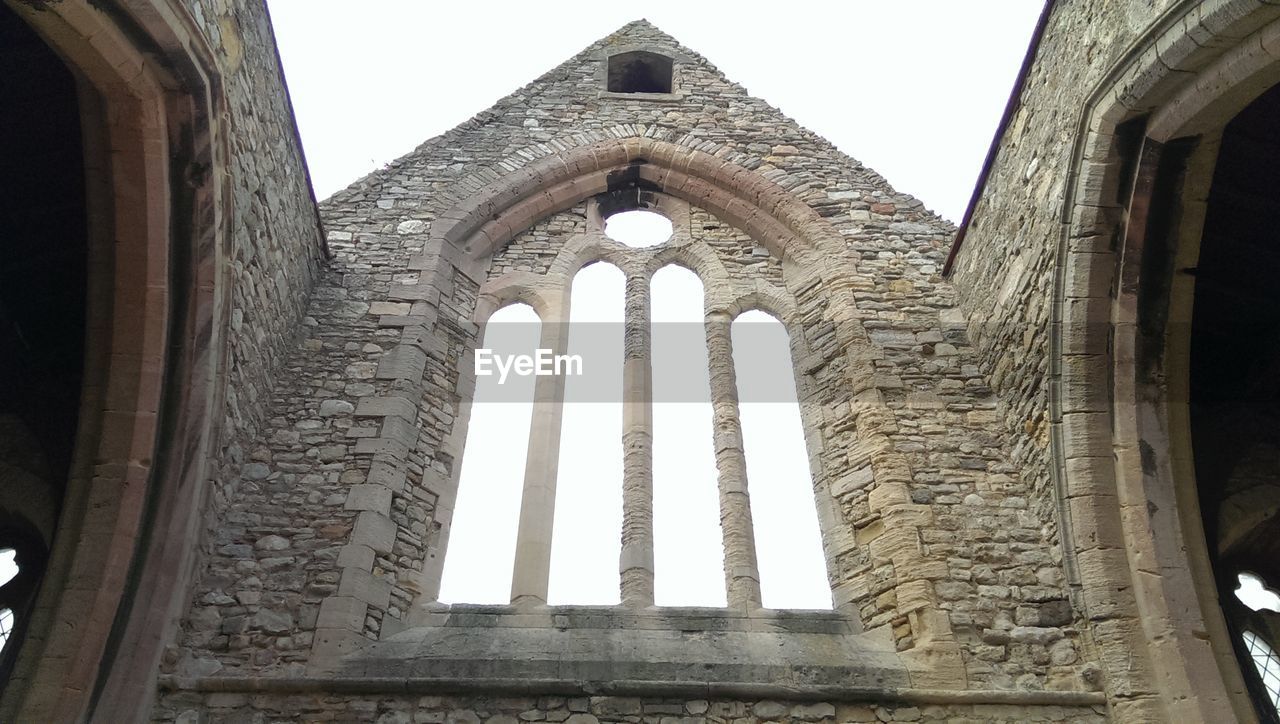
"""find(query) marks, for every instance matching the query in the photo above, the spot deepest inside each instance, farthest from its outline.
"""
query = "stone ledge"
(600, 646)
(660, 618)
(557, 687)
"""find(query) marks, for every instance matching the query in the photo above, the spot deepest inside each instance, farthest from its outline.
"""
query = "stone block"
(852, 482)
(374, 498)
(363, 585)
(392, 321)
(342, 612)
(389, 449)
(386, 407)
(914, 595)
(356, 556)
(330, 646)
(1086, 385)
(403, 362)
(401, 430)
(375, 531)
(382, 308)
(387, 475)
(1087, 434)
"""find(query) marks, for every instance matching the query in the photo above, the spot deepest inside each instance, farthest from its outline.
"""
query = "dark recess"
(43, 259)
(639, 72)
(1235, 367)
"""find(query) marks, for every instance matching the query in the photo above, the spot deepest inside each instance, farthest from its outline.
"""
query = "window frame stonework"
(1185, 78)
(723, 302)
(677, 59)
(456, 247)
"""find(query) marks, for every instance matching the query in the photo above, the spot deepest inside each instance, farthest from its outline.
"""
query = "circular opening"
(638, 229)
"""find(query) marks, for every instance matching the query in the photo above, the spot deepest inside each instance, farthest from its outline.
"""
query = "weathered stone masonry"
(335, 533)
(1033, 493)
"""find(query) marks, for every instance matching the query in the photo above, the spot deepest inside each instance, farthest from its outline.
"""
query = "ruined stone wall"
(333, 518)
(235, 708)
(1047, 244)
(276, 250)
(1006, 268)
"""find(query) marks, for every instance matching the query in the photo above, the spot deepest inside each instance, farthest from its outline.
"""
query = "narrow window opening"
(1267, 663)
(688, 549)
(585, 541)
(640, 72)
(6, 627)
(638, 229)
(793, 570)
(8, 571)
(482, 538)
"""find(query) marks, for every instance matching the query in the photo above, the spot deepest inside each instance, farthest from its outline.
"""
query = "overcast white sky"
(912, 88)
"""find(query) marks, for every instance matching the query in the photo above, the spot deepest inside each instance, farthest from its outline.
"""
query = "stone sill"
(345, 686)
(665, 618)
(675, 97)
(600, 646)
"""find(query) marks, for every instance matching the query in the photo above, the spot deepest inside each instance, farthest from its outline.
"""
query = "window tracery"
(686, 535)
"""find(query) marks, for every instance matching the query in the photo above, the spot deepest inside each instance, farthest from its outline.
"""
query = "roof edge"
(325, 251)
(1010, 108)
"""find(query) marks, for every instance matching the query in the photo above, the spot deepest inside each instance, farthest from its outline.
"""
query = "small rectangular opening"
(639, 72)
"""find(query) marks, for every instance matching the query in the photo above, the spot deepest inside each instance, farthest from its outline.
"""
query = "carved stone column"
(741, 573)
(532, 572)
(636, 564)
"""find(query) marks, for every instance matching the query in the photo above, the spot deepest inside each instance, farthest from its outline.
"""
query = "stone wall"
(229, 708)
(277, 251)
(1044, 246)
(1005, 270)
(334, 515)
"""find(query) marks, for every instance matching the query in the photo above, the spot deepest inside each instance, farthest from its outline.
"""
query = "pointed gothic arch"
(1121, 432)
(155, 159)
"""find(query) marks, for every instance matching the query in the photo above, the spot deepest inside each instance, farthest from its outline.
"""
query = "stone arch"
(582, 251)
(496, 203)
(1132, 531)
(513, 288)
(158, 195)
(768, 299)
(779, 220)
(701, 261)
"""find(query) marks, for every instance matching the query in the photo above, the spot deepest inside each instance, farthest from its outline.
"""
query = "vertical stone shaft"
(532, 572)
(741, 573)
(636, 564)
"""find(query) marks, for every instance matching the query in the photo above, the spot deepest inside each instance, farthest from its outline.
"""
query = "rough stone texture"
(1005, 270)
(275, 259)
(928, 405)
(1046, 243)
(228, 708)
(940, 547)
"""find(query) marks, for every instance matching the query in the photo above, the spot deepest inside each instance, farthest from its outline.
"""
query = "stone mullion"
(532, 572)
(741, 571)
(636, 564)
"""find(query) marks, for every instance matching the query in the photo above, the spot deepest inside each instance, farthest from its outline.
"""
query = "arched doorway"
(1234, 381)
(111, 232)
(1144, 370)
(43, 271)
